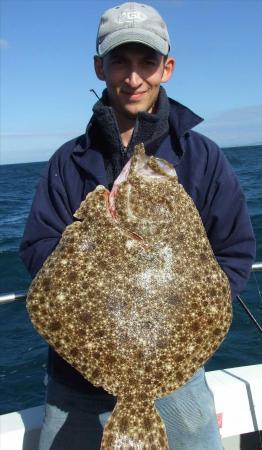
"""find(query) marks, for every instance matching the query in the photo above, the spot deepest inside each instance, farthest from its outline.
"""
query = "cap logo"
(130, 16)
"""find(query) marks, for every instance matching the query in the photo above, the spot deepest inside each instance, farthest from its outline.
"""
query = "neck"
(126, 126)
(118, 128)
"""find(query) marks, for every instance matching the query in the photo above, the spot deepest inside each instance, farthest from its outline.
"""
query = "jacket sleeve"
(50, 214)
(227, 222)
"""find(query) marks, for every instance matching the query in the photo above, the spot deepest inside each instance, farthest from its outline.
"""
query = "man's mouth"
(134, 95)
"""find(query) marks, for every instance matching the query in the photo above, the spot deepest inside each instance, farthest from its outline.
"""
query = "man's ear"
(169, 66)
(98, 65)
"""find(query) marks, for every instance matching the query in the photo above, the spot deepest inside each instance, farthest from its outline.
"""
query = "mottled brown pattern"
(138, 299)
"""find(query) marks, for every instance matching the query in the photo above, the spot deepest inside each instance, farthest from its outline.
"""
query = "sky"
(47, 49)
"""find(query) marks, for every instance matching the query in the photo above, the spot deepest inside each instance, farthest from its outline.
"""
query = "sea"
(23, 353)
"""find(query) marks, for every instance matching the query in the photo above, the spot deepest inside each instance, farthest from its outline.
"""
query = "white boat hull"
(237, 393)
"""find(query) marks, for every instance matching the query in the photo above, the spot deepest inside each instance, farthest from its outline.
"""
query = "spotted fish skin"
(133, 296)
(135, 424)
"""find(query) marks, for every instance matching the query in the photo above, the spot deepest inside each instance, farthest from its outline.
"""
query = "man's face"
(133, 73)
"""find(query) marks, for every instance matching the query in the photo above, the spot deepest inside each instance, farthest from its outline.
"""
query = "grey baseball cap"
(132, 22)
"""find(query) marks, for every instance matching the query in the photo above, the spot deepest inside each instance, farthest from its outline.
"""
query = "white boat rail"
(21, 295)
(12, 296)
(256, 267)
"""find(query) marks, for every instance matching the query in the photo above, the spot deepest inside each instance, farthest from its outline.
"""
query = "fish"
(133, 296)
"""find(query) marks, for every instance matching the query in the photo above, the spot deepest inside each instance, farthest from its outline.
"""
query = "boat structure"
(237, 393)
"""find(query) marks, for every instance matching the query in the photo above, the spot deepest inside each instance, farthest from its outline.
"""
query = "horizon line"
(45, 161)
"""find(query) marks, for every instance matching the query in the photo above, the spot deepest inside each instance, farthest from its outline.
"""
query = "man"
(133, 60)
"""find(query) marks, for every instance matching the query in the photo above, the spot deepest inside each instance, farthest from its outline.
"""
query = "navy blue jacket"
(77, 168)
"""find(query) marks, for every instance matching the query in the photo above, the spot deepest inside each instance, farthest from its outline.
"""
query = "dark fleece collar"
(150, 129)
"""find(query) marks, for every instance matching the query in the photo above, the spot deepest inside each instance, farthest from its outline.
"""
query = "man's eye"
(150, 62)
(116, 61)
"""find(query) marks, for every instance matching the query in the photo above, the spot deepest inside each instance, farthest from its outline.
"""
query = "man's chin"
(132, 116)
(132, 113)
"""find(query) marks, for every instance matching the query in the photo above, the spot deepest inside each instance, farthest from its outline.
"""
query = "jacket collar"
(181, 120)
(150, 128)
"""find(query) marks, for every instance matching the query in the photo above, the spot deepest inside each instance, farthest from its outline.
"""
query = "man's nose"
(134, 79)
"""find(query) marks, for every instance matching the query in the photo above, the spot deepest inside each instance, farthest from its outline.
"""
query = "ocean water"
(23, 353)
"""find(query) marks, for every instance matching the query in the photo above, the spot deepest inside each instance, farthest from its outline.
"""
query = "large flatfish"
(133, 297)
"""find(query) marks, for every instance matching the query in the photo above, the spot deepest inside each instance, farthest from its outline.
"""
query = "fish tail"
(136, 425)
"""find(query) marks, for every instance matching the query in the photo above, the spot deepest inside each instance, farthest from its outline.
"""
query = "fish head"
(141, 193)
(149, 167)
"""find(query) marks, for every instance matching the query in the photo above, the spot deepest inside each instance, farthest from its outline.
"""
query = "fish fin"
(134, 424)
(96, 197)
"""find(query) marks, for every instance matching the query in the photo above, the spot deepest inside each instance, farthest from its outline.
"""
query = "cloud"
(4, 43)
(235, 127)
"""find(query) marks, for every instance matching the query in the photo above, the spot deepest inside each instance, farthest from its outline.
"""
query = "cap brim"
(121, 37)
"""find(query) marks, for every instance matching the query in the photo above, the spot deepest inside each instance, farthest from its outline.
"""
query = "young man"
(132, 58)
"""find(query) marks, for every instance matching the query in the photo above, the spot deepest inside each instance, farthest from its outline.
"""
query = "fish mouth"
(112, 196)
(142, 167)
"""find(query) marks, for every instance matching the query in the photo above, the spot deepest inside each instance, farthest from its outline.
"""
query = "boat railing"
(12, 296)
(21, 295)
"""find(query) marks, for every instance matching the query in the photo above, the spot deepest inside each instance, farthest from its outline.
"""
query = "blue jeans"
(75, 421)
